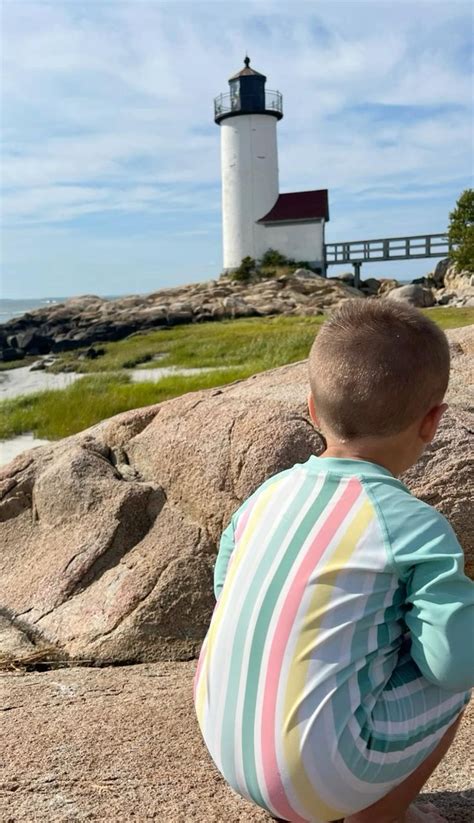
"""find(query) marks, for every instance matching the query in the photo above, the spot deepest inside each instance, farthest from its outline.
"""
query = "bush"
(264, 268)
(272, 257)
(461, 232)
(245, 270)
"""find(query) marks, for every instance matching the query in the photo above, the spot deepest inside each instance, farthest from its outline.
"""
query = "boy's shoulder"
(399, 505)
(412, 527)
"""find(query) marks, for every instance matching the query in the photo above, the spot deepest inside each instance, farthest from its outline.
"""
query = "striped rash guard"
(337, 654)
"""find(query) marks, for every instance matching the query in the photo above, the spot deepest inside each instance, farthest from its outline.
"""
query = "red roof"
(299, 205)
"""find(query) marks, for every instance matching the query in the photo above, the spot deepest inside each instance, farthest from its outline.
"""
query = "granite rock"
(414, 294)
(122, 743)
(84, 321)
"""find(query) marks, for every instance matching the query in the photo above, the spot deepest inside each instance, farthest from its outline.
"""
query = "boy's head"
(377, 368)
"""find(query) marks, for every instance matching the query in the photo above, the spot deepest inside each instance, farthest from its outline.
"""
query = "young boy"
(339, 655)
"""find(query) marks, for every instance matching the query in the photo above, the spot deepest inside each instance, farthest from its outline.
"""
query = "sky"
(110, 163)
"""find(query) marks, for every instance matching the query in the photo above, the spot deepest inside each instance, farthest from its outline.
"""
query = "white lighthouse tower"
(254, 216)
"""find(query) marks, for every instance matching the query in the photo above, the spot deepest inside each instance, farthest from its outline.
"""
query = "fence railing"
(388, 248)
(228, 103)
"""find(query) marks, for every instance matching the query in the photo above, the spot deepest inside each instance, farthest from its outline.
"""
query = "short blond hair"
(375, 367)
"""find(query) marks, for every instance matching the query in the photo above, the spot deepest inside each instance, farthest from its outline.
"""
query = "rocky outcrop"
(108, 538)
(445, 286)
(82, 321)
(451, 287)
(371, 286)
(446, 275)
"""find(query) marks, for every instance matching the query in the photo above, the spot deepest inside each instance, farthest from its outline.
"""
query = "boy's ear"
(429, 424)
(312, 410)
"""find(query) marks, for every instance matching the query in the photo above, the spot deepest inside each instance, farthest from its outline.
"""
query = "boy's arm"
(227, 542)
(226, 547)
(439, 596)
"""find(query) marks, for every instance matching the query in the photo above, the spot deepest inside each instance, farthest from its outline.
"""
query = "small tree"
(461, 232)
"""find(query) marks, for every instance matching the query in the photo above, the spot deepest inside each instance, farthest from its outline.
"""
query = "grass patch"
(17, 364)
(448, 318)
(62, 412)
(262, 342)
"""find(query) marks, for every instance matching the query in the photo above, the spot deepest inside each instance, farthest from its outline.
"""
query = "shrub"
(264, 267)
(461, 232)
(245, 270)
(272, 257)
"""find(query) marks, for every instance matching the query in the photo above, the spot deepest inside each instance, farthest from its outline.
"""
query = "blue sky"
(111, 157)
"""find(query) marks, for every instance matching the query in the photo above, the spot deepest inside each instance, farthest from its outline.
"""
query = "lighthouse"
(255, 217)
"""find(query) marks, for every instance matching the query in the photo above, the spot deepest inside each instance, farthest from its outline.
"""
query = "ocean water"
(14, 308)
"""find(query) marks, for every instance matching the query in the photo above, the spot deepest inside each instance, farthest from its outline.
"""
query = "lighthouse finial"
(247, 60)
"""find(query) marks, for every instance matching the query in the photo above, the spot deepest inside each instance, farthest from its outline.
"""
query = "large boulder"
(387, 284)
(438, 275)
(371, 286)
(108, 538)
(414, 294)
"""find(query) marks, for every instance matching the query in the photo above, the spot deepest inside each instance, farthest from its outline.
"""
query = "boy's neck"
(391, 455)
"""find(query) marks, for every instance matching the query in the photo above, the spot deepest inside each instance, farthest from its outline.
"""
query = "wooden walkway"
(357, 252)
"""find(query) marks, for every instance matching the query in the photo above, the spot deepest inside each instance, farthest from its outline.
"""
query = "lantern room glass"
(235, 94)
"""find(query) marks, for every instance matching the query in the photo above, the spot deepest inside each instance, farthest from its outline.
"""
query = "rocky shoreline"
(84, 322)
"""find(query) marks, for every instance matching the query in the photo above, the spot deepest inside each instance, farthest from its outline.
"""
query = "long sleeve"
(226, 547)
(439, 596)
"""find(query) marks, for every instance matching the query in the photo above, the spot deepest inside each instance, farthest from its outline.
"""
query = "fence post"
(357, 267)
(324, 271)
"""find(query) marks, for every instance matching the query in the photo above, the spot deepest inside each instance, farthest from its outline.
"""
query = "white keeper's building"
(255, 216)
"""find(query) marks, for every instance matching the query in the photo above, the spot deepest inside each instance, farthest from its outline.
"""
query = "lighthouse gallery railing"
(225, 103)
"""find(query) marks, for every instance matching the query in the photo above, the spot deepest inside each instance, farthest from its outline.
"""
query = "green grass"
(59, 413)
(259, 342)
(17, 364)
(448, 318)
(243, 347)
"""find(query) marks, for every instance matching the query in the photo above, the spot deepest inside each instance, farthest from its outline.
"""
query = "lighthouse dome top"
(247, 71)
(247, 95)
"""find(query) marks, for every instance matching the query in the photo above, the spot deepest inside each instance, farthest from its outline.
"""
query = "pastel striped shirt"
(336, 655)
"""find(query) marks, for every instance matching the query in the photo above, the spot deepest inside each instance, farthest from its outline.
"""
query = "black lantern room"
(248, 96)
